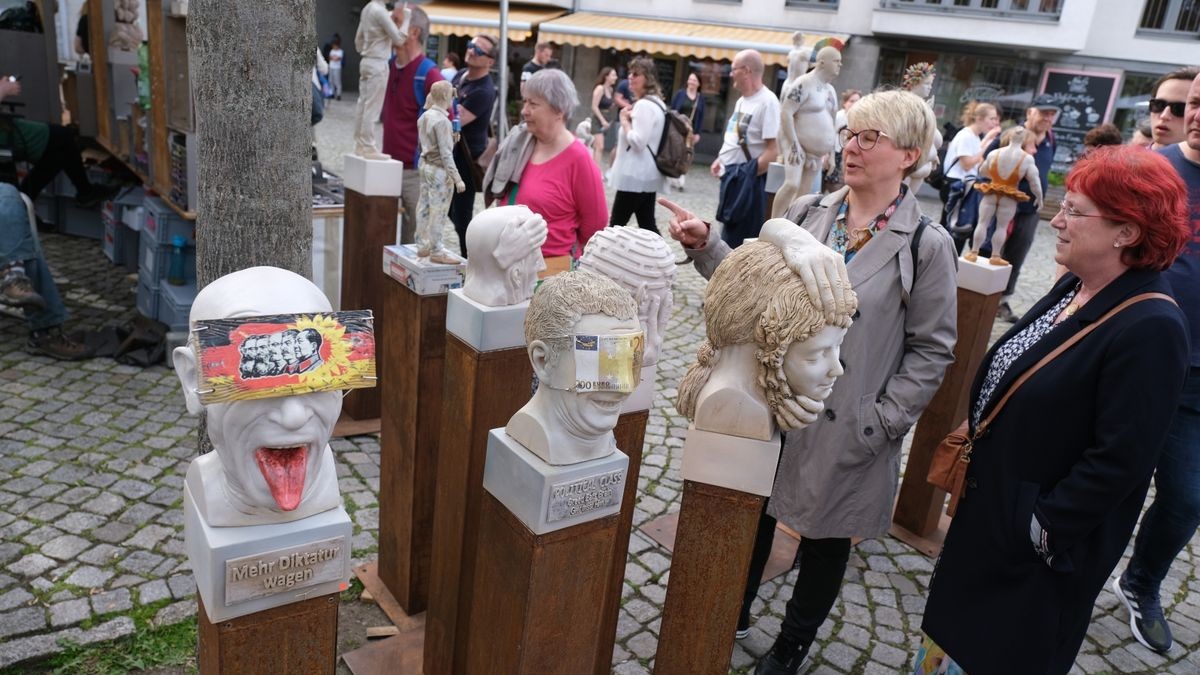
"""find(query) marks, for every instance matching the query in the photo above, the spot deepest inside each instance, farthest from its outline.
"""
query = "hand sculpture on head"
(272, 462)
(504, 255)
(573, 311)
(438, 173)
(807, 117)
(770, 357)
(642, 263)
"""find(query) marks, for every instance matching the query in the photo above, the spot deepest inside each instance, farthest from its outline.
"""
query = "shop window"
(812, 4)
(1025, 9)
(1171, 17)
(1131, 105)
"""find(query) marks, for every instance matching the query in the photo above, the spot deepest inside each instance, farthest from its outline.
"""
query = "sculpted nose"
(291, 413)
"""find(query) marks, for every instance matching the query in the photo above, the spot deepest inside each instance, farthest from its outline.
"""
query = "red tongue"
(283, 469)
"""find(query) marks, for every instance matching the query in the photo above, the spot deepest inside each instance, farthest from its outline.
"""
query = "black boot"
(783, 660)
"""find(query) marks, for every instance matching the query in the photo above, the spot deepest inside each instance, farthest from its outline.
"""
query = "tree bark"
(251, 70)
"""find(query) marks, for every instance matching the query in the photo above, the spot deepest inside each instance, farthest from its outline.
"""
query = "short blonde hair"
(903, 116)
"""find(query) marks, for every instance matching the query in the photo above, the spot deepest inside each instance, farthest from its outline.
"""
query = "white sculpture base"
(373, 177)
(734, 462)
(643, 396)
(485, 328)
(243, 570)
(422, 276)
(982, 277)
(547, 498)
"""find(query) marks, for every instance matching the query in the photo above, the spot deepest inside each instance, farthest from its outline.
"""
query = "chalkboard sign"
(1085, 100)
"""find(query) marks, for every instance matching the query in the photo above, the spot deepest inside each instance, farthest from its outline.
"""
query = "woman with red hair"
(1057, 479)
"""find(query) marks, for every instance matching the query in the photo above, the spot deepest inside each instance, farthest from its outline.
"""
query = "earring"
(1116, 244)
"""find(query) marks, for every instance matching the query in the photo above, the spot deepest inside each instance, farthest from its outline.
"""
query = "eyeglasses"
(1157, 105)
(479, 51)
(1070, 212)
(867, 138)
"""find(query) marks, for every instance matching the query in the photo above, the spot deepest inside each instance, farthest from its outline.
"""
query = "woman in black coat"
(1055, 485)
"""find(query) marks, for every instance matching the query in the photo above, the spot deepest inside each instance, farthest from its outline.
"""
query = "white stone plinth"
(775, 176)
(981, 276)
(422, 275)
(643, 396)
(734, 462)
(485, 328)
(545, 497)
(275, 581)
(373, 177)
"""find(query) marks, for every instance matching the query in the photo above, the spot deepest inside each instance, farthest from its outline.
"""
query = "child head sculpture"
(918, 78)
(441, 94)
(274, 460)
(504, 255)
(753, 298)
(642, 263)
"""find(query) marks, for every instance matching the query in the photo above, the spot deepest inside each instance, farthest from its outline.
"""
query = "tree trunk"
(251, 70)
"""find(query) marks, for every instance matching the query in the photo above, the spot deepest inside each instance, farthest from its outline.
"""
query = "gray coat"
(837, 477)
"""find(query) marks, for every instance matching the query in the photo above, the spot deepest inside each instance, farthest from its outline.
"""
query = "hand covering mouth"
(284, 470)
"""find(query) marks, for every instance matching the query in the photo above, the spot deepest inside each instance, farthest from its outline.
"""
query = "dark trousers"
(61, 154)
(1017, 246)
(462, 204)
(822, 568)
(640, 204)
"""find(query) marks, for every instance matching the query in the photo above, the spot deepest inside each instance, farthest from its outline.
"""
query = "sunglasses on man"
(1157, 105)
(479, 51)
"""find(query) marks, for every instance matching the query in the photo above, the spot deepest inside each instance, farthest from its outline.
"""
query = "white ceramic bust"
(377, 34)
(642, 263)
(770, 358)
(807, 126)
(438, 174)
(504, 255)
(560, 425)
(272, 462)
(919, 79)
(1001, 195)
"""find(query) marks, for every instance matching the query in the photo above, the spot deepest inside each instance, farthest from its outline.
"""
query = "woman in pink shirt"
(543, 166)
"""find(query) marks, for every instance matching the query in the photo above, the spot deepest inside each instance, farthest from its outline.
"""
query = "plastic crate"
(113, 243)
(80, 222)
(134, 217)
(162, 223)
(154, 260)
(174, 305)
(147, 299)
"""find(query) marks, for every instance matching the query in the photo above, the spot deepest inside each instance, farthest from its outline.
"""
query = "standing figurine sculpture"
(1006, 166)
(438, 174)
(504, 255)
(378, 33)
(919, 79)
(808, 109)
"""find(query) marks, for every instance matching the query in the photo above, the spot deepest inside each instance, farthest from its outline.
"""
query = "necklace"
(1076, 303)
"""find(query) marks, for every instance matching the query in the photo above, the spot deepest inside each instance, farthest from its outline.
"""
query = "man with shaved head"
(748, 149)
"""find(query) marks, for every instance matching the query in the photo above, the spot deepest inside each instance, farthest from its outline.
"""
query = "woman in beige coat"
(837, 477)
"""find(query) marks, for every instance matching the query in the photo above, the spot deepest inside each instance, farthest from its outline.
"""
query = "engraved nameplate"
(577, 497)
(284, 569)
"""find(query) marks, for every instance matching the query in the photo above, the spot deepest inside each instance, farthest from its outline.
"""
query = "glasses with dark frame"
(1157, 105)
(479, 51)
(867, 138)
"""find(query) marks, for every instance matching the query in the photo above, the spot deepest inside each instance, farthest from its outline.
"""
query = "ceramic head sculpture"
(769, 355)
(378, 31)
(918, 78)
(439, 176)
(1006, 166)
(272, 461)
(581, 330)
(504, 255)
(642, 263)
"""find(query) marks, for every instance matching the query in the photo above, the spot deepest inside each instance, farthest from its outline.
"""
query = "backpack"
(937, 176)
(674, 155)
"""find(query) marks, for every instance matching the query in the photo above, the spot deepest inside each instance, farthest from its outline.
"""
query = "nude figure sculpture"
(1005, 166)
(807, 133)
(438, 174)
(919, 79)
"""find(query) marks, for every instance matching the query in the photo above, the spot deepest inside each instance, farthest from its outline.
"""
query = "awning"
(696, 40)
(470, 18)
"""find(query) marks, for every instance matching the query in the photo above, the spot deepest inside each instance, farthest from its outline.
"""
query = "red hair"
(1139, 186)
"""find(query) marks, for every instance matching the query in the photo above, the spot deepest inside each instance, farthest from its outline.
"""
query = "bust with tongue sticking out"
(272, 462)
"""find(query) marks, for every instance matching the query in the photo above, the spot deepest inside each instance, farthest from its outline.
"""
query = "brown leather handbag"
(951, 458)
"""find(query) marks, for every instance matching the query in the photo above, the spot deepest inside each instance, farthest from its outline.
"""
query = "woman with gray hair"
(635, 174)
(837, 477)
(543, 166)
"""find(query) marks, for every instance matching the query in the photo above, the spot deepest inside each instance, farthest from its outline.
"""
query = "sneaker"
(741, 633)
(1146, 618)
(774, 664)
(53, 343)
(17, 291)
(1005, 313)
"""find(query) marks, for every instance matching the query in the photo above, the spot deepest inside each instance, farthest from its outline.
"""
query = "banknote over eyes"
(608, 362)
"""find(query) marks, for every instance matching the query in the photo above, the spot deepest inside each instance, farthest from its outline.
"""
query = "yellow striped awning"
(680, 38)
(469, 18)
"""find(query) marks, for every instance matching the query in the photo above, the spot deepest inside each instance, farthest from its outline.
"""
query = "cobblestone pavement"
(92, 457)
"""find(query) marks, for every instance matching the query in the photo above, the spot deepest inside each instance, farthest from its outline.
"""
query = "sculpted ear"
(540, 356)
(185, 368)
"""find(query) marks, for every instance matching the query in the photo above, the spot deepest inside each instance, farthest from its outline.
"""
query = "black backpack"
(674, 155)
(937, 177)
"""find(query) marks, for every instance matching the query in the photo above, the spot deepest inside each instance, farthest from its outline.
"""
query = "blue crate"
(154, 260)
(80, 222)
(174, 305)
(147, 299)
(162, 224)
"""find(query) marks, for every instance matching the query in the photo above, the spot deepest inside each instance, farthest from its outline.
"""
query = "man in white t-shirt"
(750, 136)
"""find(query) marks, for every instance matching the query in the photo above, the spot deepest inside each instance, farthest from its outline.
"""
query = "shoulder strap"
(419, 82)
(1064, 347)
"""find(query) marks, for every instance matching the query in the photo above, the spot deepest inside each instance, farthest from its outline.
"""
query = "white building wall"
(1113, 35)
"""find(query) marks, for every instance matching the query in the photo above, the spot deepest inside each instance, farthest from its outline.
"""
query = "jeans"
(19, 243)
(1172, 519)
(639, 204)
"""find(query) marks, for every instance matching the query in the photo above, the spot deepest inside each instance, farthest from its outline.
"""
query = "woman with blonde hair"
(981, 124)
